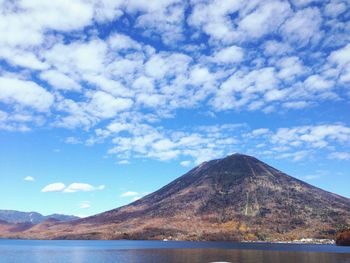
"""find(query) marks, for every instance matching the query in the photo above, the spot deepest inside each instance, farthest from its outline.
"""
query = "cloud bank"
(119, 70)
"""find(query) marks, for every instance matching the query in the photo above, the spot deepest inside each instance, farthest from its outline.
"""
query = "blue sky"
(102, 102)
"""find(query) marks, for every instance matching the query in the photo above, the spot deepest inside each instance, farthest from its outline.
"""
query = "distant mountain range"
(234, 198)
(12, 216)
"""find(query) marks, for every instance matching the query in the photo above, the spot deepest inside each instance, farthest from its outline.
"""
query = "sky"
(103, 102)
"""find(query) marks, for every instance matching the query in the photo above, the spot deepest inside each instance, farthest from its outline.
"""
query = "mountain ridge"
(14, 216)
(234, 198)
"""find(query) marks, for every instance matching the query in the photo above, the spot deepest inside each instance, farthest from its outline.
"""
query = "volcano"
(234, 198)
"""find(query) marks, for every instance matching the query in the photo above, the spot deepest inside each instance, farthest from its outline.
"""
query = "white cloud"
(213, 19)
(113, 87)
(254, 21)
(79, 58)
(340, 156)
(227, 55)
(260, 132)
(124, 162)
(290, 67)
(25, 94)
(341, 56)
(72, 188)
(318, 136)
(243, 88)
(156, 67)
(318, 83)
(60, 81)
(341, 59)
(19, 120)
(72, 140)
(232, 54)
(145, 141)
(334, 8)
(29, 179)
(273, 48)
(85, 205)
(82, 187)
(22, 43)
(119, 42)
(104, 105)
(22, 58)
(166, 19)
(303, 28)
(301, 143)
(185, 163)
(265, 19)
(303, 3)
(55, 187)
(296, 104)
(129, 194)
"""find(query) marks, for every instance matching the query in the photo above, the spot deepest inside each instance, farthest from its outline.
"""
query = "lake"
(33, 251)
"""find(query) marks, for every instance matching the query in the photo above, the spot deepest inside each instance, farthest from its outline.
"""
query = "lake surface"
(17, 251)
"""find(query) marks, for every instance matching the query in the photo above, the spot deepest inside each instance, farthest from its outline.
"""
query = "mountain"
(12, 216)
(234, 198)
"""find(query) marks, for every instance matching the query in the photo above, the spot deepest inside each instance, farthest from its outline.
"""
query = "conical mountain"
(234, 198)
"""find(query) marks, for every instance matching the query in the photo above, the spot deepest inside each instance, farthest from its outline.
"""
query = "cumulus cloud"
(104, 105)
(25, 94)
(72, 188)
(340, 58)
(54, 187)
(302, 142)
(72, 140)
(45, 16)
(129, 194)
(82, 187)
(85, 205)
(340, 155)
(29, 179)
(232, 54)
(59, 80)
(266, 18)
(124, 162)
(185, 163)
(335, 8)
(118, 86)
(316, 136)
(145, 141)
(118, 73)
(303, 28)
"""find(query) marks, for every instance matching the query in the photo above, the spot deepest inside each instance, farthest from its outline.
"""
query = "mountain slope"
(12, 216)
(234, 198)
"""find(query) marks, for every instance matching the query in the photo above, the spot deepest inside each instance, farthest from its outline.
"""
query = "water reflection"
(97, 252)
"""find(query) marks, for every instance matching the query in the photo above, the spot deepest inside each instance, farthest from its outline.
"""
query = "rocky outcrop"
(343, 238)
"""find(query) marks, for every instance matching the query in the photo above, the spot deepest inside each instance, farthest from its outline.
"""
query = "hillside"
(12, 216)
(234, 198)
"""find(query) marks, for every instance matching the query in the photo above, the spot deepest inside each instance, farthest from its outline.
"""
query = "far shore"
(311, 241)
(299, 241)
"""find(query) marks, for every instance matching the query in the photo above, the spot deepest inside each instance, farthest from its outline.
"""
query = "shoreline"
(305, 241)
(310, 241)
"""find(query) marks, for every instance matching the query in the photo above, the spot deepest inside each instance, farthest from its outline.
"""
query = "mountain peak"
(235, 198)
(240, 156)
(234, 166)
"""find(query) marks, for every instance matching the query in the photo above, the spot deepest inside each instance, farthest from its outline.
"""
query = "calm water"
(17, 251)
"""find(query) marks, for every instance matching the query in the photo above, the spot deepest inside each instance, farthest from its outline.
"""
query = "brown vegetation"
(343, 238)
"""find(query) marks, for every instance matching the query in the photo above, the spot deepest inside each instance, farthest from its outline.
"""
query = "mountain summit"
(234, 198)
